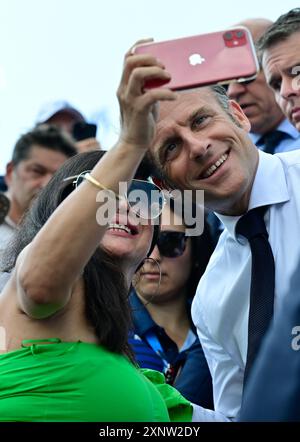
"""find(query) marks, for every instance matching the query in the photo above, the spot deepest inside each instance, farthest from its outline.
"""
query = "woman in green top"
(64, 309)
(77, 381)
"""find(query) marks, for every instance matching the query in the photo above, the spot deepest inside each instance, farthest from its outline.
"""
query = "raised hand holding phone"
(85, 135)
(137, 104)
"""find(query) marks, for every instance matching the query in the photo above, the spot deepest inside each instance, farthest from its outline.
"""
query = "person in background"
(279, 50)
(164, 335)
(275, 376)
(270, 130)
(36, 157)
(63, 115)
(3, 186)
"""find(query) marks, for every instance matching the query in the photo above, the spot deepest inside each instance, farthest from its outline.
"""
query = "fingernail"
(161, 63)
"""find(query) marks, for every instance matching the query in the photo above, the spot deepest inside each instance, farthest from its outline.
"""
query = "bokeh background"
(73, 50)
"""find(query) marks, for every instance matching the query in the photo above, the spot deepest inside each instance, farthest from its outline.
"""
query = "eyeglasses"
(171, 244)
(145, 198)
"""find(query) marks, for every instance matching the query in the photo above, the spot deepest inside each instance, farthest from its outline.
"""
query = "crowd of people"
(111, 309)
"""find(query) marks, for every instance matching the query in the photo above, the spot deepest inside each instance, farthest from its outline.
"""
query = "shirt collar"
(285, 126)
(265, 190)
(254, 137)
(141, 318)
(288, 128)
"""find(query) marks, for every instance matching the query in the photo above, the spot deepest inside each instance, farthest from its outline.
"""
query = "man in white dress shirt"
(202, 142)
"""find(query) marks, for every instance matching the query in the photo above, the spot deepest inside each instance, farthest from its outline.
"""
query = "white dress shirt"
(220, 308)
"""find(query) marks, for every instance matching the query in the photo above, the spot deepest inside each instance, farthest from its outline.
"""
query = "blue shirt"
(193, 380)
(3, 186)
(291, 142)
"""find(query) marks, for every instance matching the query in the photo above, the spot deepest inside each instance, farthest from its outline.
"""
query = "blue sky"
(73, 50)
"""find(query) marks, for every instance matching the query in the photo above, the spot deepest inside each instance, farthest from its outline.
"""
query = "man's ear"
(238, 114)
(8, 174)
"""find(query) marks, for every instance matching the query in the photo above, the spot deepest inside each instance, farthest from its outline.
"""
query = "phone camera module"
(240, 34)
(228, 36)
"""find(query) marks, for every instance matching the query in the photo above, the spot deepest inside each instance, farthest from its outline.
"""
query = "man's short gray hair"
(221, 96)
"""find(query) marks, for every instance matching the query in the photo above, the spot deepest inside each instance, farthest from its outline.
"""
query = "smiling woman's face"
(127, 240)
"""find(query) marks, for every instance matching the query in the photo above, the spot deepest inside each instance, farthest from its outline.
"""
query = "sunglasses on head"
(144, 198)
(171, 244)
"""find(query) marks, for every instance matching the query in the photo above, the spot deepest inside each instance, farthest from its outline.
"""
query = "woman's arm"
(48, 268)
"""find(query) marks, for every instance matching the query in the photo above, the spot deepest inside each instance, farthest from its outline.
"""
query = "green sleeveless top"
(75, 381)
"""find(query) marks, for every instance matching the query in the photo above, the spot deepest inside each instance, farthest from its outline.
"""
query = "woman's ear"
(238, 114)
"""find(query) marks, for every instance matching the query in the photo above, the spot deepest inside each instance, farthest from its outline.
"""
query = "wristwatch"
(4, 206)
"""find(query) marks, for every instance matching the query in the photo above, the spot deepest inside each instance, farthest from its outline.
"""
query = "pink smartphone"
(201, 60)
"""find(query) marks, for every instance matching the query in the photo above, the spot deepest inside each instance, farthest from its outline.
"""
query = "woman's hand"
(138, 105)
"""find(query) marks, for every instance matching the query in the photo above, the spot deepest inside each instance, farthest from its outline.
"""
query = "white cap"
(52, 108)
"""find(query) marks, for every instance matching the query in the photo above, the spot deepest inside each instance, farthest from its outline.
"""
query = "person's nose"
(124, 211)
(235, 90)
(289, 87)
(155, 254)
(197, 145)
(123, 206)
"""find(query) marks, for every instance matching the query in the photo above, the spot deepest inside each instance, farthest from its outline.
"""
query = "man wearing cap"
(63, 115)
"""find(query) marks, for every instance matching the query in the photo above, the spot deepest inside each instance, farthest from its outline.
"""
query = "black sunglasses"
(171, 244)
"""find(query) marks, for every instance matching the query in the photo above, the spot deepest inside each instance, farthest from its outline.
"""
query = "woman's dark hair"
(106, 305)
(202, 249)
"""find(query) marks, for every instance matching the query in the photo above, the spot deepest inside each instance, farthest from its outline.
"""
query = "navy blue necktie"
(270, 140)
(252, 227)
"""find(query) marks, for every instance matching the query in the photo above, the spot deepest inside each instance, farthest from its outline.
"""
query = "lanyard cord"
(154, 343)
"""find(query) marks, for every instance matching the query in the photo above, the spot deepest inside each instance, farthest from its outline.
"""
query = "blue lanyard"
(154, 343)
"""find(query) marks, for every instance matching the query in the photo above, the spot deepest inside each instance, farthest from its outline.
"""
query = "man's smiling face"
(199, 145)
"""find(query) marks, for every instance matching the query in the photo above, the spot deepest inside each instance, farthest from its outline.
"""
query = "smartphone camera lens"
(228, 36)
(240, 34)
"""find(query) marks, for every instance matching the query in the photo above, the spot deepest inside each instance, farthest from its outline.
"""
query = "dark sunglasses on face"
(145, 198)
(171, 244)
